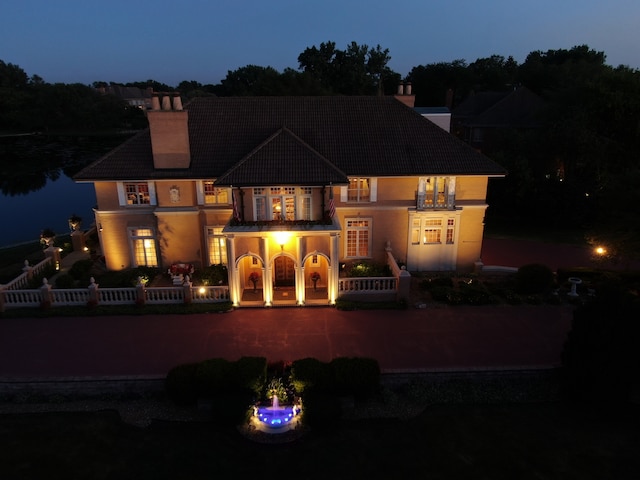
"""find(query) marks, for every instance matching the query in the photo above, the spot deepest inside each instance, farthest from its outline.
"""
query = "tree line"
(590, 123)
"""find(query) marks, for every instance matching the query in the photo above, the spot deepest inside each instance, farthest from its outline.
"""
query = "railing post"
(77, 241)
(54, 254)
(2, 307)
(93, 293)
(45, 294)
(28, 269)
(404, 285)
(186, 286)
(141, 296)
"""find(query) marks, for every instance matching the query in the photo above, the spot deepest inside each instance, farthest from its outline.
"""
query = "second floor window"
(137, 193)
(215, 195)
(436, 192)
(359, 190)
(282, 203)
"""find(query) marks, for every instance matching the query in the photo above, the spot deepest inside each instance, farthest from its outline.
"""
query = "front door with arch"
(284, 271)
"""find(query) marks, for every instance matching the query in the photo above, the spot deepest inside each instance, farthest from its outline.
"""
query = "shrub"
(214, 376)
(366, 269)
(212, 275)
(65, 281)
(534, 278)
(81, 271)
(180, 384)
(127, 278)
(311, 372)
(475, 294)
(600, 358)
(436, 282)
(250, 373)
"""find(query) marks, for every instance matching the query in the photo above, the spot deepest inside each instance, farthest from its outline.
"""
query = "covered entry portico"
(283, 267)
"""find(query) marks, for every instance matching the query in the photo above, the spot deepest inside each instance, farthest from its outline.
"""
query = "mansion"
(286, 190)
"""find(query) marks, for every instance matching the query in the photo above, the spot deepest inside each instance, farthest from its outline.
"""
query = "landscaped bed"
(455, 440)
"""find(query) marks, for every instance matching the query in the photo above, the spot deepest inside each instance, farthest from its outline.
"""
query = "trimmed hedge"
(216, 378)
(180, 384)
(534, 278)
(343, 375)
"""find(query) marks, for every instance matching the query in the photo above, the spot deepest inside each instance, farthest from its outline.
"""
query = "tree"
(616, 227)
(600, 359)
(157, 86)
(357, 70)
(377, 66)
(494, 73)
(432, 82)
(252, 80)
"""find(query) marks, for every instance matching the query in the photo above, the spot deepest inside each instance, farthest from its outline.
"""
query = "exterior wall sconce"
(281, 238)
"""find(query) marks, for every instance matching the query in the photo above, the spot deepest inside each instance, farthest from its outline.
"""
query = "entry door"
(284, 271)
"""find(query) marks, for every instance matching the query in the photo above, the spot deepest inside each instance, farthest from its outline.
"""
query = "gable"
(283, 159)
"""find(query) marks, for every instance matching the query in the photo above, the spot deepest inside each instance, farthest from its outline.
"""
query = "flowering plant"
(46, 237)
(315, 276)
(254, 277)
(181, 269)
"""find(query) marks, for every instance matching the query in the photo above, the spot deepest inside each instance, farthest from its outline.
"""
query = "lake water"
(37, 169)
(23, 217)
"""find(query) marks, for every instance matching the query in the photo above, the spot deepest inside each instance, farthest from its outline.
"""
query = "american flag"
(236, 211)
(332, 205)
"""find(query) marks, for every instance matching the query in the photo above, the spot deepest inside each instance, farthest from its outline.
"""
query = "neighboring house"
(478, 118)
(286, 187)
(441, 116)
(134, 96)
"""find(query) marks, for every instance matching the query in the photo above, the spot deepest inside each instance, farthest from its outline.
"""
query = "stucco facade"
(259, 200)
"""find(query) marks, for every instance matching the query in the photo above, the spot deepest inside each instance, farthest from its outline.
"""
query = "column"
(334, 269)
(300, 282)
(267, 278)
(232, 270)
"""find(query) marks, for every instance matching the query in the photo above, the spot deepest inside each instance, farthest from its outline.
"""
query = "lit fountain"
(276, 419)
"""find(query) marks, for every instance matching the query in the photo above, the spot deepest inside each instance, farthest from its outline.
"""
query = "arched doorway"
(284, 279)
(316, 277)
(284, 273)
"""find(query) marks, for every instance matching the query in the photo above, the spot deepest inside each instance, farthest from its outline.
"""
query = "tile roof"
(300, 139)
(283, 159)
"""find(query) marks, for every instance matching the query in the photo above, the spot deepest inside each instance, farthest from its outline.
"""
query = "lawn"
(463, 441)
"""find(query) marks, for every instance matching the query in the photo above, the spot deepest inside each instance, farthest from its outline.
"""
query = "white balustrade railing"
(21, 298)
(69, 296)
(367, 285)
(60, 297)
(209, 294)
(22, 280)
(160, 295)
(117, 296)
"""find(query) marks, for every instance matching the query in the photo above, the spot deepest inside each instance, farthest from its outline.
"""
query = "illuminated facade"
(283, 190)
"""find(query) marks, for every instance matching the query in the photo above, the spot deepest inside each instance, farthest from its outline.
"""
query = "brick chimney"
(169, 127)
(405, 95)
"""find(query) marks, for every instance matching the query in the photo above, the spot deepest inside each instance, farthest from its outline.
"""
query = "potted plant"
(74, 222)
(46, 237)
(253, 278)
(315, 276)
